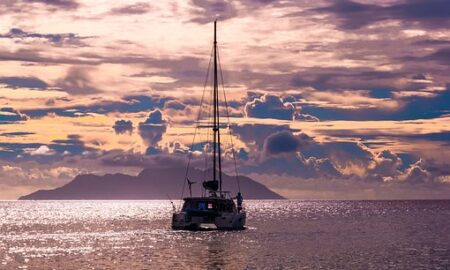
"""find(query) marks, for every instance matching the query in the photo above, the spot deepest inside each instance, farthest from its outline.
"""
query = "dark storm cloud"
(285, 142)
(27, 82)
(152, 129)
(123, 126)
(270, 106)
(211, 10)
(55, 39)
(133, 9)
(254, 135)
(426, 13)
(276, 107)
(155, 117)
(340, 153)
(9, 115)
(340, 160)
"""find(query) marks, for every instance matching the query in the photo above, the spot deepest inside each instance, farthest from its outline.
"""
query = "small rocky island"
(150, 184)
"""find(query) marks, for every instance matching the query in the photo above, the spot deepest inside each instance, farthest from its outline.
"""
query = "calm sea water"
(280, 235)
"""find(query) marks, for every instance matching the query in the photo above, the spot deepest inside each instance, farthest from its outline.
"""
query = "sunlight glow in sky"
(360, 88)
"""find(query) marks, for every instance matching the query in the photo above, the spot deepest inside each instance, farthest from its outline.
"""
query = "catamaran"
(215, 206)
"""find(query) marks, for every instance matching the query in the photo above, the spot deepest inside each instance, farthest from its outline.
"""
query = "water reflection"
(280, 235)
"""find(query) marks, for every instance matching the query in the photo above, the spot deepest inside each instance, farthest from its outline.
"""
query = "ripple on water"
(279, 235)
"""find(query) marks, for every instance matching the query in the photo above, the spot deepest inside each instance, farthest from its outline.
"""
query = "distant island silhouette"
(149, 184)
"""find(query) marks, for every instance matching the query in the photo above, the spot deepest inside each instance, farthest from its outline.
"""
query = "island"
(149, 184)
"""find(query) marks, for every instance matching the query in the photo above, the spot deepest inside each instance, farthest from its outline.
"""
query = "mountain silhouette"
(158, 183)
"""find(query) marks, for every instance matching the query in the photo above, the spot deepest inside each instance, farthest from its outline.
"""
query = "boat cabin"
(214, 204)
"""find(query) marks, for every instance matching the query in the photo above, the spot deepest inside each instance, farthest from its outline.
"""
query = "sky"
(327, 99)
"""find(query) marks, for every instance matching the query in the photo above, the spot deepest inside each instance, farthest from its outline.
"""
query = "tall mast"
(216, 126)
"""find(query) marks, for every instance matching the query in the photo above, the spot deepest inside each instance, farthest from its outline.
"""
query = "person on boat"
(239, 199)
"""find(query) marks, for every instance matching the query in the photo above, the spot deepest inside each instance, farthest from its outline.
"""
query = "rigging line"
(195, 131)
(229, 123)
(205, 154)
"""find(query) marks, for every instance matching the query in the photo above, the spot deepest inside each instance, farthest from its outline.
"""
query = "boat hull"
(222, 221)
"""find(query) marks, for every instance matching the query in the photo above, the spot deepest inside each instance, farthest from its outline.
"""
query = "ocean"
(285, 234)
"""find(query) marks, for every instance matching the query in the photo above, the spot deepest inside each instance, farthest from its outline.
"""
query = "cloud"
(127, 104)
(254, 135)
(123, 126)
(37, 56)
(36, 7)
(78, 82)
(182, 112)
(42, 150)
(286, 142)
(155, 117)
(270, 106)
(342, 162)
(55, 39)
(57, 150)
(294, 164)
(387, 167)
(21, 179)
(383, 66)
(207, 11)
(72, 145)
(9, 115)
(133, 9)
(416, 174)
(23, 82)
(152, 129)
(440, 55)
(64, 4)
(17, 134)
(174, 105)
(242, 154)
(347, 156)
(431, 106)
(305, 117)
(132, 159)
(426, 13)
(431, 42)
(276, 107)
(283, 155)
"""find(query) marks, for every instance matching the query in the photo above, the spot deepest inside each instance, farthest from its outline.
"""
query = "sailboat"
(215, 206)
